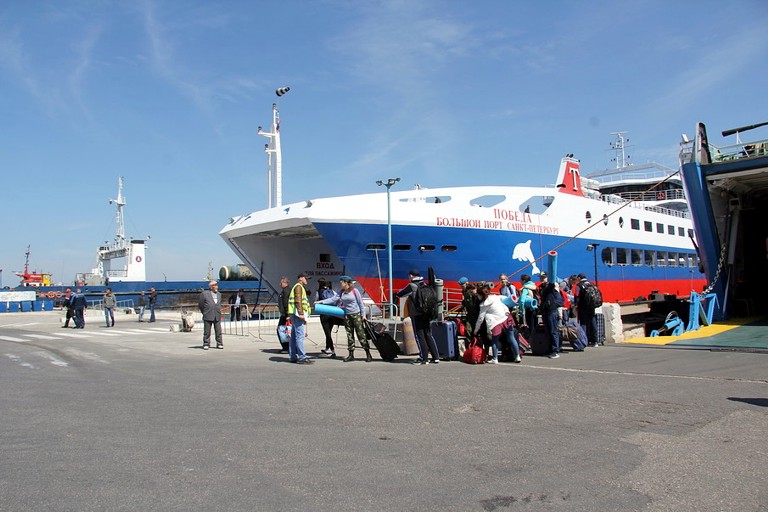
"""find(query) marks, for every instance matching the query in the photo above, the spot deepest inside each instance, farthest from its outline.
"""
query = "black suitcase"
(382, 340)
(446, 339)
(600, 322)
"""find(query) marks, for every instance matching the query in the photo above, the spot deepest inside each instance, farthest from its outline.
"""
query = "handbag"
(474, 354)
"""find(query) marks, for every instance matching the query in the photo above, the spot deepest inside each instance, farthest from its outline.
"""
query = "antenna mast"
(274, 156)
(619, 146)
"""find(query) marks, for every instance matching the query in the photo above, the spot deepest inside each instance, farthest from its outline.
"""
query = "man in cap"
(299, 310)
(421, 323)
(210, 307)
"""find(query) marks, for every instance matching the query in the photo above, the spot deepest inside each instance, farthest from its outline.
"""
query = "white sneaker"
(518, 359)
(554, 355)
(493, 361)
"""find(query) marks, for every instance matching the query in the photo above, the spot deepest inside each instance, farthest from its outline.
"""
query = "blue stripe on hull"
(480, 254)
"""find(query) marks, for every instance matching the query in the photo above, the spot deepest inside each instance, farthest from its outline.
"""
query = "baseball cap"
(414, 272)
(463, 280)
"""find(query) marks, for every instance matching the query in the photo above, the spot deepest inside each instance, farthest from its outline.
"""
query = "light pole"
(593, 248)
(388, 184)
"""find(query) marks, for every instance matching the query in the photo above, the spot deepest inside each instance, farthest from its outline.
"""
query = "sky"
(170, 94)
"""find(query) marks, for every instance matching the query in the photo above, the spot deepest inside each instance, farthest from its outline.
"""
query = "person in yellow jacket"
(299, 310)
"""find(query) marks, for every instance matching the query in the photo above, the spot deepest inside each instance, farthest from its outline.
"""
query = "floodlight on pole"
(389, 183)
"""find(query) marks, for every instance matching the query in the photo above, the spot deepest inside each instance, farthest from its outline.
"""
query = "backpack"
(590, 296)
(425, 300)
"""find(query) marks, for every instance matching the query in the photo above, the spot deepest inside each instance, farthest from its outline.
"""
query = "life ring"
(59, 295)
(661, 195)
(51, 295)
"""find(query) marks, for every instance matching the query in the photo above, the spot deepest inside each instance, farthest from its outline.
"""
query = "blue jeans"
(495, 347)
(151, 312)
(109, 314)
(141, 313)
(296, 345)
(513, 342)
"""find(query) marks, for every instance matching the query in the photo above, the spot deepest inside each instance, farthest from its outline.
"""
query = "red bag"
(474, 354)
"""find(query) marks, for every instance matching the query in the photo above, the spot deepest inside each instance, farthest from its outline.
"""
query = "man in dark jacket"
(79, 305)
(551, 302)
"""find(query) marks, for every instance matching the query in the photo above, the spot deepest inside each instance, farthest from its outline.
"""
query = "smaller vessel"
(33, 279)
(132, 251)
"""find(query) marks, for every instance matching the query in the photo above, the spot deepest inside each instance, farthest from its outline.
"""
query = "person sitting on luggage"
(354, 309)
(507, 289)
(495, 314)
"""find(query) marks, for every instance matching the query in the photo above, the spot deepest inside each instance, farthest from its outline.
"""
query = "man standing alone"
(210, 307)
(152, 301)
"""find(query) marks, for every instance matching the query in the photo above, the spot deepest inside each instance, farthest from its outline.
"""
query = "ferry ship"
(631, 247)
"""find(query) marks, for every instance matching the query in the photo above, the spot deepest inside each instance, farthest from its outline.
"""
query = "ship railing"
(615, 199)
(739, 151)
(654, 195)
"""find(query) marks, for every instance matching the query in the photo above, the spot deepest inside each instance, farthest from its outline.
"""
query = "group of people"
(487, 315)
(489, 319)
(75, 304)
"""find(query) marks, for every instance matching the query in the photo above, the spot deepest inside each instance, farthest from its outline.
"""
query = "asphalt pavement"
(137, 417)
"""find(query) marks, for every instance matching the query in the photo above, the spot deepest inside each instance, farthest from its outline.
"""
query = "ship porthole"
(605, 219)
(621, 222)
(588, 217)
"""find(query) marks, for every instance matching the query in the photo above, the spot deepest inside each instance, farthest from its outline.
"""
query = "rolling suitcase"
(446, 339)
(600, 322)
(382, 340)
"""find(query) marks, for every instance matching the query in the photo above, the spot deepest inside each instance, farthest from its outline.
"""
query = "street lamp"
(593, 248)
(388, 184)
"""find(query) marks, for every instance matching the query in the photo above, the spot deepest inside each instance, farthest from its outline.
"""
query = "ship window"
(635, 224)
(588, 216)
(621, 222)
(426, 247)
(607, 256)
(637, 256)
(670, 230)
(401, 247)
(661, 259)
(376, 247)
(690, 233)
(536, 204)
(325, 257)
(448, 248)
(672, 259)
(605, 219)
(659, 227)
(682, 260)
(680, 231)
(648, 225)
(487, 201)
(649, 258)
(440, 199)
(621, 255)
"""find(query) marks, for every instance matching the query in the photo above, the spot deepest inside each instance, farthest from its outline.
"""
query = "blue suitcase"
(446, 339)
